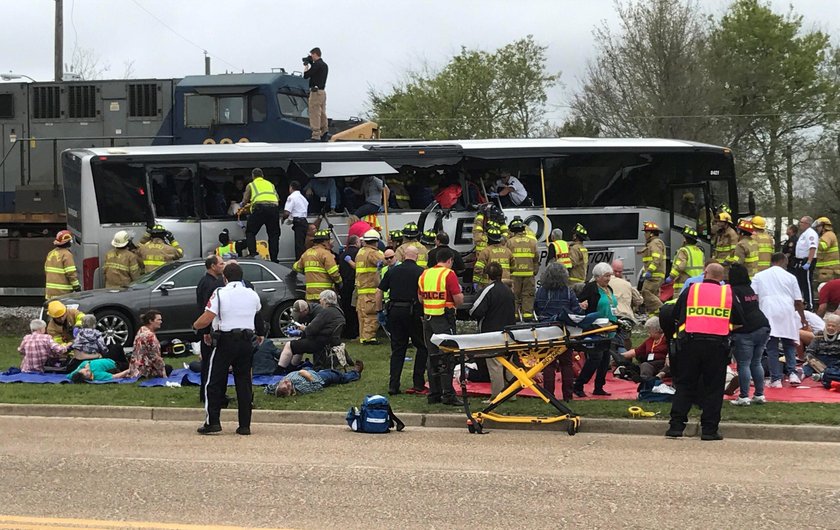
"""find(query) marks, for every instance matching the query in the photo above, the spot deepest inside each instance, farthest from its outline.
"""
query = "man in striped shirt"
(38, 348)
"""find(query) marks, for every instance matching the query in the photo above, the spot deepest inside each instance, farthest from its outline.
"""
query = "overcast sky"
(368, 43)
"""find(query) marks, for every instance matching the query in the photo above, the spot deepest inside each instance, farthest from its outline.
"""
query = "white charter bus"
(611, 186)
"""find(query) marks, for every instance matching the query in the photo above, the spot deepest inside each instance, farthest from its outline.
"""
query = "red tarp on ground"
(808, 391)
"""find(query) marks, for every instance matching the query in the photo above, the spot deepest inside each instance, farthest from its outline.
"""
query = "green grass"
(374, 380)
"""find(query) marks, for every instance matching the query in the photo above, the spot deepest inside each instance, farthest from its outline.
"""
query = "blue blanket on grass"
(14, 375)
(182, 376)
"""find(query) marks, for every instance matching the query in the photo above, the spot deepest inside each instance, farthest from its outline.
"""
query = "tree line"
(754, 80)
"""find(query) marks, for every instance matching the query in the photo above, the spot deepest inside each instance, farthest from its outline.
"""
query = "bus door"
(174, 196)
(691, 205)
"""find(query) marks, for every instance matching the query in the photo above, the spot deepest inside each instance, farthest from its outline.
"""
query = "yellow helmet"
(724, 217)
(56, 309)
(758, 222)
(825, 221)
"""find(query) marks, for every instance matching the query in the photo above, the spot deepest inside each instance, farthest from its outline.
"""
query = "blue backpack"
(375, 416)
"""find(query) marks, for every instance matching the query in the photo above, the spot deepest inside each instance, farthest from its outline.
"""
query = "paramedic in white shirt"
(510, 190)
(803, 266)
(295, 210)
(231, 309)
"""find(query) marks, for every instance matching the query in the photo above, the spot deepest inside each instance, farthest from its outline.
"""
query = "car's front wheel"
(116, 328)
(281, 318)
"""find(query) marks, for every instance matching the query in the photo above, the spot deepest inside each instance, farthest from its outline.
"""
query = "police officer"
(122, 266)
(262, 198)
(526, 264)
(688, 261)
(319, 267)
(495, 252)
(724, 241)
(558, 250)
(746, 251)
(410, 235)
(234, 308)
(653, 264)
(160, 249)
(440, 294)
(705, 314)
(367, 261)
(764, 241)
(60, 269)
(579, 255)
(405, 320)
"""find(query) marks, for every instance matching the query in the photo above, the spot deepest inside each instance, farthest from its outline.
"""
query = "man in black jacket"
(316, 336)
(495, 309)
(348, 284)
(206, 286)
(442, 241)
(316, 71)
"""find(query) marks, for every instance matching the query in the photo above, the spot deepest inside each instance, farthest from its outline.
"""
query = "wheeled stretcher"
(524, 350)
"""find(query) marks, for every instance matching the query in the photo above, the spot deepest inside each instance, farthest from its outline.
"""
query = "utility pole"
(206, 63)
(59, 40)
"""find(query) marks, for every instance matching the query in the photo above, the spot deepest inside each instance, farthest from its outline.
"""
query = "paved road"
(294, 476)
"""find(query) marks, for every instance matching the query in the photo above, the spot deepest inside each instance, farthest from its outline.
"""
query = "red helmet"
(63, 237)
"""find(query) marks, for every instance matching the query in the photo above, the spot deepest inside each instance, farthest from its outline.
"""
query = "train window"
(81, 101)
(7, 106)
(200, 110)
(258, 110)
(231, 109)
(142, 100)
(120, 192)
(173, 194)
(46, 102)
(293, 106)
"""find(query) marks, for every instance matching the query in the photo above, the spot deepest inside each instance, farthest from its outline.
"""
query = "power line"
(182, 37)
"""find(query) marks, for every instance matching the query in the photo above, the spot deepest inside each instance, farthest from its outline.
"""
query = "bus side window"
(173, 192)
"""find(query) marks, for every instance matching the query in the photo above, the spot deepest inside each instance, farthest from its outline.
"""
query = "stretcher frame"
(536, 353)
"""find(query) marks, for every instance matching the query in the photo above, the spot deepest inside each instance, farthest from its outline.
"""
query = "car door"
(174, 297)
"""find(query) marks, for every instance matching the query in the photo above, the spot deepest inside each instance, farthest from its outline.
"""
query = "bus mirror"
(751, 203)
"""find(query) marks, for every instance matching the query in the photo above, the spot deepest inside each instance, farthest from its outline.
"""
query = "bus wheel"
(281, 318)
(116, 328)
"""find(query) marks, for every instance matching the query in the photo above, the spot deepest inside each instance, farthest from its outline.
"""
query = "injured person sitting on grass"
(650, 356)
(824, 350)
(316, 336)
(308, 381)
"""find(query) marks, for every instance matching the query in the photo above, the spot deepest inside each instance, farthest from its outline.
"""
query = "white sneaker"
(759, 400)
(793, 379)
(775, 384)
(741, 401)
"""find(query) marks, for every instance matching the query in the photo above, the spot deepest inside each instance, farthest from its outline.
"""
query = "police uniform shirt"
(518, 194)
(296, 205)
(807, 240)
(238, 307)
(402, 280)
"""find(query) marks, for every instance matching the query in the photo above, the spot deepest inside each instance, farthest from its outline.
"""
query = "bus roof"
(468, 147)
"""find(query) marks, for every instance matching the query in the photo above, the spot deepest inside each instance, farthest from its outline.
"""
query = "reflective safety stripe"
(325, 285)
(561, 253)
(575, 280)
(365, 269)
(432, 285)
(521, 273)
(59, 286)
(262, 191)
(366, 290)
(523, 254)
(313, 268)
(57, 270)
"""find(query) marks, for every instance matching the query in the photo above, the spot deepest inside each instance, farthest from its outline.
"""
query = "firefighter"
(688, 261)
(558, 250)
(396, 237)
(62, 321)
(478, 235)
(427, 239)
(579, 255)
(530, 234)
(367, 261)
(122, 266)
(319, 267)
(399, 197)
(764, 241)
(526, 264)
(160, 249)
(828, 256)
(410, 235)
(746, 251)
(724, 241)
(495, 252)
(653, 264)
(60, 269)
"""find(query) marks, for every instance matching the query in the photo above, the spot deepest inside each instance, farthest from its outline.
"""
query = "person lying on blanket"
(96, 370)
(307, 382)
(39, 349)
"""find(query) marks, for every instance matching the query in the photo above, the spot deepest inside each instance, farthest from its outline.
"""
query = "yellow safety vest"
(432, 284)
(561, 253)
(263, 192)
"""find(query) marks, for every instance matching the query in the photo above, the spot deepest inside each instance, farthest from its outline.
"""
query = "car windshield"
(146, 279)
